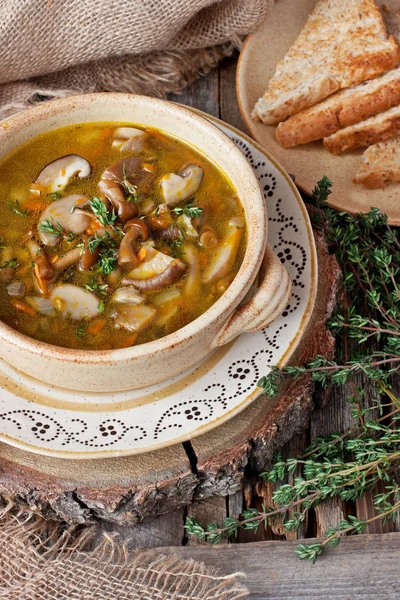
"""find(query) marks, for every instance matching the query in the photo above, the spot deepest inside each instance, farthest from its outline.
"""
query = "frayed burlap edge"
(40, 560)
(158, 74)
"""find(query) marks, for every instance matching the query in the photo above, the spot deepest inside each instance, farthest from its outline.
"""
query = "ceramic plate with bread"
(319, 86)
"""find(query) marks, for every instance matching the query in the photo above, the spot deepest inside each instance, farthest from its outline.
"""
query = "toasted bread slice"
(380, 164)
(342, 109)
(343, 43)
(375, 129)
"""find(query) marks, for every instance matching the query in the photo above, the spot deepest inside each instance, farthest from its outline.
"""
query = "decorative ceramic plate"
(308, 163)
(57, 422)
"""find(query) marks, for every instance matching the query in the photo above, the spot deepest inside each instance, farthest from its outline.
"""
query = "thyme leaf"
(48, 226)
(104, 216)
(189, 210)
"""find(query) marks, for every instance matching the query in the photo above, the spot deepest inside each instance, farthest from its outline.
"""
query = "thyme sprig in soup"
(113, 236)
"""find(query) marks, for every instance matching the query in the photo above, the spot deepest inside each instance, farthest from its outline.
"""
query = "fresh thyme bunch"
(349, 465)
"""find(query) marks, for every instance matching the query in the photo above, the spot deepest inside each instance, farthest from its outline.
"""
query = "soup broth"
(113, 235)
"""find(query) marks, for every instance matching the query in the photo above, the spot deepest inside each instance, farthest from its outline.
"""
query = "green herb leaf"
(93, 285)
(104, 216)
(48, 226)
(108, 260)
(80, 332)
(16, 208)
(189, 210)
(13, 264)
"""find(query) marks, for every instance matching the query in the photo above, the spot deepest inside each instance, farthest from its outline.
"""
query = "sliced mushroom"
(134, 318)
(44, 273)
(162, 218)
(56, 175)
(193, 278)
(154, 263)
(169, 234)
(43, 305)
(74, 301)
(222, 260)
(185, 222)
(201, 219)
(127, 295)
(59, 213)
(178, 187)
(16, 289)
(89, 257)
(126, 167)
(129, 139)
(127, 250)
(172, 274)
(33, 248)
(208, 238)
(140, 225)
(136, 230)
(112, 190)
(67, 260)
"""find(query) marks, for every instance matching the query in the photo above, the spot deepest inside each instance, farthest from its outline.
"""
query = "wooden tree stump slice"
(128, 490)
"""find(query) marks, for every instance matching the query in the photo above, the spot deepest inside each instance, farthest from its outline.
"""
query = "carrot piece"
(149, 167)
(142, 254)
(24, 307)
(128, 341)
(36, 188)
(53, 259)
(35, 205)
(203, 259)
(106, 133)
(106, 346)
(96, 326)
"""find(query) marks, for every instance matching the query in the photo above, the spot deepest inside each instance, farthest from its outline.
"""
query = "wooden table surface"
(348, 573)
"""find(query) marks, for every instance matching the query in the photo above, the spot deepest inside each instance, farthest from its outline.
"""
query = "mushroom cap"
(224, 256)
(43, 305)
(127, 295)
(116, 172)
(56, 175)
(74, 301)
(129, 139)
(59, 211)
(178, 187)
(134, 317)
(154, 263)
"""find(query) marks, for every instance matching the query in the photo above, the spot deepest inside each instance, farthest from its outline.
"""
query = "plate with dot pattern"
(57, 422)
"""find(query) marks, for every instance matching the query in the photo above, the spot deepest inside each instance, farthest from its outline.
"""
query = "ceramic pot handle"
(268, 302)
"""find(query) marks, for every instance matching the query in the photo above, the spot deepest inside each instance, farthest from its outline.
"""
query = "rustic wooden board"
(129, 489)
(363, 567)
(123, 490)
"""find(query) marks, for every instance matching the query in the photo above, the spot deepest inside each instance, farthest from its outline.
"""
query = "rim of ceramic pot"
(256, 221)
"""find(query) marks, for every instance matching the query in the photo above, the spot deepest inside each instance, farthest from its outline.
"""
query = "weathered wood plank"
(202, 94)
(361, 568)
(210, 510)
(165, 530)
(229, 108)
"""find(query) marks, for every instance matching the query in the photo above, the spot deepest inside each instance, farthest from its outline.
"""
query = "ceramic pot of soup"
(133, 242)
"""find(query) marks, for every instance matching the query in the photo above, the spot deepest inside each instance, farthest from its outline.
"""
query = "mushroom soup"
(113, 236)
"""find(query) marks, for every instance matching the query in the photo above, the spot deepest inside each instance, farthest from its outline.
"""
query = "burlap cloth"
(52, 48)
(39, 562)
(58, 47)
